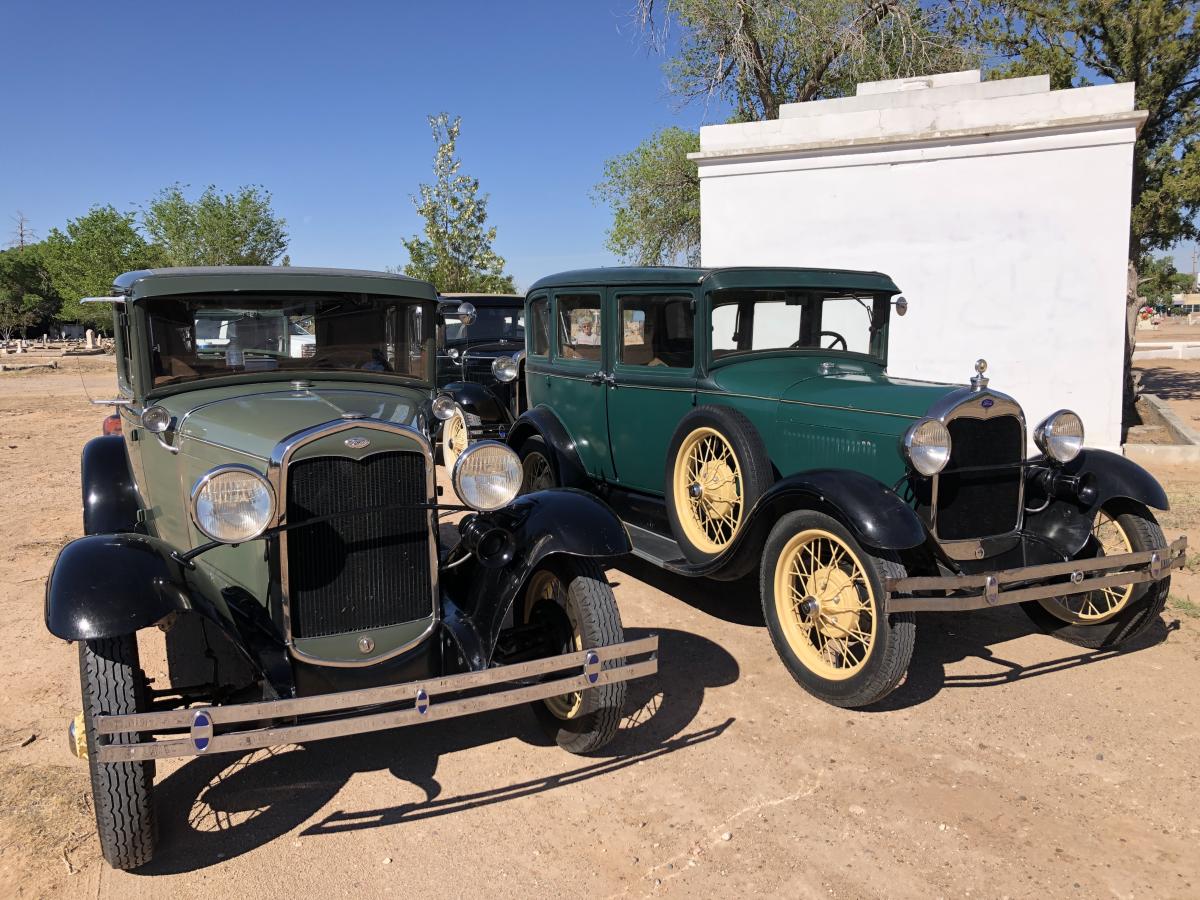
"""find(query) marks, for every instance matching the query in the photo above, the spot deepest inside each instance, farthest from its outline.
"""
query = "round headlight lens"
(927, 446)
(443, 407)
(487, 476)
(1060, 435)
(505, 368)
(232, 504)
(156, 419)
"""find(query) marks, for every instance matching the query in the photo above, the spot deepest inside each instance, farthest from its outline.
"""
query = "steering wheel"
(832, 344)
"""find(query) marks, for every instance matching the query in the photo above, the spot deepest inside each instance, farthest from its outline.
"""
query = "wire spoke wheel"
(455, 438)
(709, 490)
(1097, 606)
(537, 475)
(825, 604)
(546, 602)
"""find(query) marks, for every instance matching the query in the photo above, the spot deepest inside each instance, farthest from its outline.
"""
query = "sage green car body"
(814, 408)
(243, 418)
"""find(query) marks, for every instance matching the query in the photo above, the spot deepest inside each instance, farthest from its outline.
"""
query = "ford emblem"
(357, 443)
(988, 403)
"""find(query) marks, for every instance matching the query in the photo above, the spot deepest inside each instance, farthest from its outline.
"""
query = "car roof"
(487, 299)
(146, 283)
(721, 278)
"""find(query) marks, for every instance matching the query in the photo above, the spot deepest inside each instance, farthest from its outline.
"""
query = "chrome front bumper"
(205, 734)
(958, 593)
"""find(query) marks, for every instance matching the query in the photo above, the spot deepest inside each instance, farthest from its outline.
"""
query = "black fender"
(1066, 523)
(110, 500)
(479, 400)
(873, 512)
(542, 421)
(548, 523)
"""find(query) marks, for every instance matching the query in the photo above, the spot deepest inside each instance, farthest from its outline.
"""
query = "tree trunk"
(1129, 412)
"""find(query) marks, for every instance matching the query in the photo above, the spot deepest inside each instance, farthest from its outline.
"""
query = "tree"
(456, 251)
(1154, 43)
(654, 192)
(26, 297)
(756, 55)
(238, 229)
(84, 260)
(22, 233)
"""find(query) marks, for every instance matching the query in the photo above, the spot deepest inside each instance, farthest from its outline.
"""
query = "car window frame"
(617, 335)
(529, 319)
(597, 365)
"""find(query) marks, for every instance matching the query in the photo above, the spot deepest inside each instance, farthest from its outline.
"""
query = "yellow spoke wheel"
(825, 604)
(1097, 606)
(708, 490)
(455, 438)
(546, 587)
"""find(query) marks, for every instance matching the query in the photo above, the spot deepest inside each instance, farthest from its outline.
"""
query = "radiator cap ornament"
(979, 381)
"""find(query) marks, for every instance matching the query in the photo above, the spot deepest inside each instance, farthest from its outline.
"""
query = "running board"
(654, 548)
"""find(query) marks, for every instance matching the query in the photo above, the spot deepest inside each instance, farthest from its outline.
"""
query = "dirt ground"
(1007, 765)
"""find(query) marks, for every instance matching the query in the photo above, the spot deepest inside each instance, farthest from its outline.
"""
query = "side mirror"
(901, 306)
(464, 312)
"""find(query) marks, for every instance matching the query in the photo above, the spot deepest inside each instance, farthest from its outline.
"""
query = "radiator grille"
(981, 503)
(360, 571)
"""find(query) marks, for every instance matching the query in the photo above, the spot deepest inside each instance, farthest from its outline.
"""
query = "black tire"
(122, 793)
(891, 648)
(752, 460)
(1145, 603)
(534, 453)
(594, 721)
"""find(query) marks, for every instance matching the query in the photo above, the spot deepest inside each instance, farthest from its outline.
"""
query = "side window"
(579, 329)
(539, 327)
(657, 330)
(124, 352)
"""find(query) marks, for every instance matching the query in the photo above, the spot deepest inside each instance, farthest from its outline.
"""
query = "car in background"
(481, 342)
(277, 516)
(742, 421)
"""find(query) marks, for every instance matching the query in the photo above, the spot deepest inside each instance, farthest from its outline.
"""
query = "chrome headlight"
(232, 504)
(156, 419)
(927, 446)
(505, 368)
(487, 476)
(1060, 435)
(443, 407)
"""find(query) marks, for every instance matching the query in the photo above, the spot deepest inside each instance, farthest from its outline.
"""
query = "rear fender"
(542, 525)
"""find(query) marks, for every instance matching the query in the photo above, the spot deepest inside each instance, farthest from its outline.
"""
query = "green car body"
(735, 417)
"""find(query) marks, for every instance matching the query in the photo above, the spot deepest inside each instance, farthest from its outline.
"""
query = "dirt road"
(1008, 764)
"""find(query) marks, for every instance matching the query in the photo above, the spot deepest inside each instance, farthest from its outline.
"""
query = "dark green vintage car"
(271, 505)
(743, 419)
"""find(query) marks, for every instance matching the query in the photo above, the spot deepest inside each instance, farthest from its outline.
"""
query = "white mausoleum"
(1000, 208)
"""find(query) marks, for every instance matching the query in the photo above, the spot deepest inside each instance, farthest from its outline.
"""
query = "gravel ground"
(1007, 765)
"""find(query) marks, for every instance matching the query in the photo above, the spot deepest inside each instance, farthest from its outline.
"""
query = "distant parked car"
(277, 516)
(481, 344)
(742, 420)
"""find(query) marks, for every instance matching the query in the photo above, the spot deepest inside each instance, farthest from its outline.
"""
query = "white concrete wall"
(1002, 214)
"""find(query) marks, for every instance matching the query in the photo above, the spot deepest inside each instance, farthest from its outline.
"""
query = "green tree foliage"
(1160, 281)
(455, 253)
(26, 295)
(654, 192)
(83, 261)
(756, 55)
(237, 229)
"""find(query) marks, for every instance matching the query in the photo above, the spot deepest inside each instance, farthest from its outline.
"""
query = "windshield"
(211, 336)
(754, 321)
(492, 323)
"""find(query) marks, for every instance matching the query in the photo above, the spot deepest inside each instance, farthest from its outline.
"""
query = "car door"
(652, 336)
(575, 388)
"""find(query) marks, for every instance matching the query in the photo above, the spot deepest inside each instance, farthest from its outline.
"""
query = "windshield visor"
(757, 321)
(213, 336)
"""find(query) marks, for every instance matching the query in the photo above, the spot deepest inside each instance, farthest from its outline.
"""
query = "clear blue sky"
(324, 104)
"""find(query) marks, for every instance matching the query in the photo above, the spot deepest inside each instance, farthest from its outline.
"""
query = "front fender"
(1066, 524)
(110, 501)
(107, 585)
(540, 421)
(542, 525)
(478, 400)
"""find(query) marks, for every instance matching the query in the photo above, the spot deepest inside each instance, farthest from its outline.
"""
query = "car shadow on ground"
(945, 639)
(214, 808)
(942, 639)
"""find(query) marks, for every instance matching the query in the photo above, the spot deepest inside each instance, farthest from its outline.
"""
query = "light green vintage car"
(742, 420)
(271, 505)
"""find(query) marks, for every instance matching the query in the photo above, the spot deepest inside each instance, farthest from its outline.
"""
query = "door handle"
(602, 378)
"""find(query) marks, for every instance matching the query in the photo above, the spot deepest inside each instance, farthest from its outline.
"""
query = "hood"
(254, 418)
